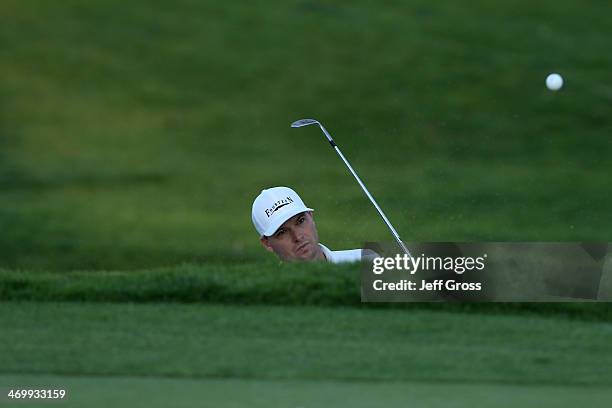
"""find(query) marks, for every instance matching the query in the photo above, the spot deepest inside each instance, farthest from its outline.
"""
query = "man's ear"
(266, 244)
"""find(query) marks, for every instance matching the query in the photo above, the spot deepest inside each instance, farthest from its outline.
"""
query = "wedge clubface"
(307, 122)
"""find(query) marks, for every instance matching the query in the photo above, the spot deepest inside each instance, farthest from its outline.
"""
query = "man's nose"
(296, 236)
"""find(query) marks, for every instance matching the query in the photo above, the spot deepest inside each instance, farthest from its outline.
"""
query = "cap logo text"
(277, 205)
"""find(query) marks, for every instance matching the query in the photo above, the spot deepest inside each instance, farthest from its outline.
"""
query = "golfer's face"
(296, 239)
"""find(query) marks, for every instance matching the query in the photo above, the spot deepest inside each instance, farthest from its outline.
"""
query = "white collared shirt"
(349, 255)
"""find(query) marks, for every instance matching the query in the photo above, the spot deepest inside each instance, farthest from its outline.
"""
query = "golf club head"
(304, 122)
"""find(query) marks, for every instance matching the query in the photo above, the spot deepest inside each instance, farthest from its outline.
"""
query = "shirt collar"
(328, 254)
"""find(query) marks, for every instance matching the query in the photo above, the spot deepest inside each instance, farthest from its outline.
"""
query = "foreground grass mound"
(268, 283)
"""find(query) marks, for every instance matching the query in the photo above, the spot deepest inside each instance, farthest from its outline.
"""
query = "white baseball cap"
(274, 206)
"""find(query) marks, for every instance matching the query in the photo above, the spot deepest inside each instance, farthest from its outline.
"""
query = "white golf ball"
(554, 82)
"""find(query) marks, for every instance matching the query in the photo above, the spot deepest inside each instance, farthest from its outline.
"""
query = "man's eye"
(279, 233)
(301, 220)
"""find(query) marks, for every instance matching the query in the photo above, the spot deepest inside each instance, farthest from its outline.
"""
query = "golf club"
(307, 122)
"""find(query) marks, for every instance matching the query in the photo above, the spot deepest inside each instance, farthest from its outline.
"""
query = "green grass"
(270, 283)
(273, 283)
(134, 137)
(301, 356)
(93, 391)
(315, 343)
(139, 138)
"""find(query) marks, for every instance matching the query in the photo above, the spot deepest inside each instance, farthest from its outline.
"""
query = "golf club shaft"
(365, 190)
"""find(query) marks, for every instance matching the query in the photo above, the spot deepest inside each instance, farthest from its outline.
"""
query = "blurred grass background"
(137, 135)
